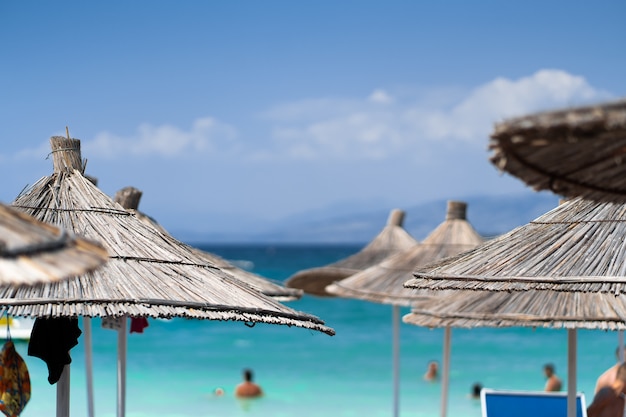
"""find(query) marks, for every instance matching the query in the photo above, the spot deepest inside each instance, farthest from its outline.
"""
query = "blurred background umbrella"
(129, 198)
(391, 240)
(383, 283)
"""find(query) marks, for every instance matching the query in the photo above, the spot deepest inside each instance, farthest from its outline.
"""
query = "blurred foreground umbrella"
(383, 283)
(148, 274)
(574, 152)
(577, 248)
(391, 240)
(32, 252)
(129, 198)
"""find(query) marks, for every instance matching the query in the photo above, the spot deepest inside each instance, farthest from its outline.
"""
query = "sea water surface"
(175, 365)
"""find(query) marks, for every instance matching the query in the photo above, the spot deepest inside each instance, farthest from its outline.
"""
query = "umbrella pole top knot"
(128, 197)
(66, 154)
(396, 218)
(457, 210)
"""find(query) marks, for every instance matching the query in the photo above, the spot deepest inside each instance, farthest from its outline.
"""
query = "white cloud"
(381, 125)
(380, 96)
(473, 117)
(206, 135)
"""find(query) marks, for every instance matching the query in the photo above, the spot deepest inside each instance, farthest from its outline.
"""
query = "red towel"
(137, 324)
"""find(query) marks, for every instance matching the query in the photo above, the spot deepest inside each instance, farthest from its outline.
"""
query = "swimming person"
(475, 392)
(248, 389)
(609, 400)
(553, 383)
(432, 372)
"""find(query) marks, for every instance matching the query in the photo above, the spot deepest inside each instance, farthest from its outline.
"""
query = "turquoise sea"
(175, 365)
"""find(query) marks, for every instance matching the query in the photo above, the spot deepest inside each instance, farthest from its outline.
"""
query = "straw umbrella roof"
(573, 152)
(533, 308)
(578, 246)
(148, 273)
(33, 252)
(383, 283)
(129, 198)
(391, 240)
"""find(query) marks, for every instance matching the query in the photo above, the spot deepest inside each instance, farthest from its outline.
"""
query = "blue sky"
(257, 110)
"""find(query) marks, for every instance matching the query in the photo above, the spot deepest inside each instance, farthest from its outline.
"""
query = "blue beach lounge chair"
(502, 403)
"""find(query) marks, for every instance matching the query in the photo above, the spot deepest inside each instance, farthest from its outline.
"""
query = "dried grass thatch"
(383, 283)
(33, 252)
(129, 197)
(148, 273)
(573, 152)
(391, 240)
(578, 246)
(520, 309)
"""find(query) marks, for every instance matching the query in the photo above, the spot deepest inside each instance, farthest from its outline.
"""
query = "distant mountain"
(490, 215)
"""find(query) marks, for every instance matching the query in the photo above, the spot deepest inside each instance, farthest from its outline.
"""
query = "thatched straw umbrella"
(576, 248)
(148, 274)
(129, 198)
(391, 240)
(33, 252)
(383, 283)
(573, 152)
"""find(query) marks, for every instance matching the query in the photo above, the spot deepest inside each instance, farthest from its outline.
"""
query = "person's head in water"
(247, 375)
(432, 371)
(248, 388)
(476, 390)
(553, 382)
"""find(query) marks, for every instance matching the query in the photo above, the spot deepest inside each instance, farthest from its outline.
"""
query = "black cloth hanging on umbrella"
(51, 341)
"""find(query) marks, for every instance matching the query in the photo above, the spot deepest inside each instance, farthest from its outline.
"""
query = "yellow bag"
(14, 381)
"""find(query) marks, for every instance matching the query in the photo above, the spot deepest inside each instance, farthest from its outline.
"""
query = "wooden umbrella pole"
(121, 368)
(396, 360)
(128, 198)
(63, 393)
(445, 381)
(571, 372)
(88, 364)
